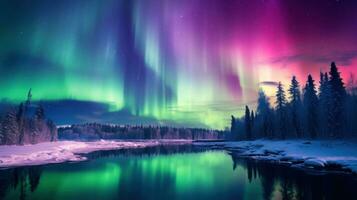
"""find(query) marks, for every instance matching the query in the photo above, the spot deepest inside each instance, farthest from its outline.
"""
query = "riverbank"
(64, 151)
(328, 155)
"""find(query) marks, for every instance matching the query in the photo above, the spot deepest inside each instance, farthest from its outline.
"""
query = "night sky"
(180, 62)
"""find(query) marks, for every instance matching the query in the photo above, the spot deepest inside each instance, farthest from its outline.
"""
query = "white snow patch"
(63, 151)
(314, 153)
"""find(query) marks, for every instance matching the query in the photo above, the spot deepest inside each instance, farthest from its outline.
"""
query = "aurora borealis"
(193, 62)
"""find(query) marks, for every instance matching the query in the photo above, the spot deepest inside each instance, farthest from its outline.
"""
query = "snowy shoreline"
(65, 151)
(340, 155)
(328, 155)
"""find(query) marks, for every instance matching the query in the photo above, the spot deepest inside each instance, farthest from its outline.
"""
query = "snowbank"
(62, 151)
(317, 154)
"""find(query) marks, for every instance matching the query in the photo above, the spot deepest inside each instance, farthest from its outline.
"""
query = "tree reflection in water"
(277, 182)
(283, 182)
(26, 179)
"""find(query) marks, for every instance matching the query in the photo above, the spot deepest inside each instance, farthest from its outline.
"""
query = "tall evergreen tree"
(295, 105)
(351, 107)
(311, 104)
(336, 102)
(248, 123)
(323, 103)
(40, 113)
(29, 97)
(252, 118)
(2, 137)
(20, 118)
(281, 110)
(264, 114)
(233, 126)
(10, 128)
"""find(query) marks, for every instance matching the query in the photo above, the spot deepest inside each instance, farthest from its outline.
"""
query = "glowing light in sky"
(190, 61)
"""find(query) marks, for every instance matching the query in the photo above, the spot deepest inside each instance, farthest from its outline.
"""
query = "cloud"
(341, 58)
(269, 83)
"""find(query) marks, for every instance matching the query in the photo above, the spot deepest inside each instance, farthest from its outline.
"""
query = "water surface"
(170, 172)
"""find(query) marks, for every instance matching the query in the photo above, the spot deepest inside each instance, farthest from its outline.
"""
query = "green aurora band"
(187, 62)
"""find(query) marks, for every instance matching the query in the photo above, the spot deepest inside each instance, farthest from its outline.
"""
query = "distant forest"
(328, 110)
(93, 131)
(26, 124)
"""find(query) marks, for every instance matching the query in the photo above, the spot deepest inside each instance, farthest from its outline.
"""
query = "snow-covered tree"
(10, 128)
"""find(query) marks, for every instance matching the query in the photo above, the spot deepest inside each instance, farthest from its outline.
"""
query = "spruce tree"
(233, 126)
(1, 132)
(311, 104)
(20, 118)
(281, 110)
(264, 114)
(10, 128)
(295, 106)
(252, 118)
(40, 113)
(336, 102)
(323, 104)
(247, 123)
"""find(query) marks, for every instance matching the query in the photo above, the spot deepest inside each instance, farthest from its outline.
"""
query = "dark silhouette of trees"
(40, 113)
(351, 105)
(264, 115)
(330, 112)
(233, 125)
(323, 104)
(10, 128)
(295, 106)
(281, 110)
(20, 117)
(311, 105)
(95, 131)
(19, 127)
(248, 123)
(336, 102)
(252, 119)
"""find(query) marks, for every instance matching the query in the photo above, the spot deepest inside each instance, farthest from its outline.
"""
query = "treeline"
(328, 110)
(26, 124)
(92, 131)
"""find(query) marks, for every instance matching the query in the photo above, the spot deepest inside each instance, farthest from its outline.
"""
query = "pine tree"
(40, 113)
(29, 97)
(2, 139)
(247, 123)
(10, 128)
(295, 105)
(20, 118)
(323, 103)
(281, 110)
(252, 118)
(264, 114)
(233, 126)
(336, 102)
(311, 104)
(38, 124)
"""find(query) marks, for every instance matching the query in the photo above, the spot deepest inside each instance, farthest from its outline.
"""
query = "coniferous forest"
(324, 108)
(26, 124)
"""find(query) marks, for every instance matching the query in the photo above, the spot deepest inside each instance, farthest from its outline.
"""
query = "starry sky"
(175, 62)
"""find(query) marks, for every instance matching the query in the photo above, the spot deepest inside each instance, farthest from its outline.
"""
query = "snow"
(63, 151)
(317, 154)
